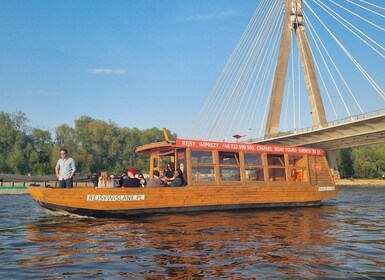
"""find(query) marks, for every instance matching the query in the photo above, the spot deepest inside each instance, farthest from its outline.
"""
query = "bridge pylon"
(294, 23)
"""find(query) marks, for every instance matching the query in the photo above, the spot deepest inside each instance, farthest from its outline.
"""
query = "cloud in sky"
(107, 71)
(212, 16)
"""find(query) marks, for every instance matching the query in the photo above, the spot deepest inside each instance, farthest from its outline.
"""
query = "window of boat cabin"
(229, 166)
(297, 168)
(253, 167)
(276, 167)
(202, 165)
(181, 162)
(155, 162)
(164, 160)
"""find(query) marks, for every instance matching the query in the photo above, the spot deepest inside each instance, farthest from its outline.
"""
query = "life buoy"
(299, 175)
(293, 174)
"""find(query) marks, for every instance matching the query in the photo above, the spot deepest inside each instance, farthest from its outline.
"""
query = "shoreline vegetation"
(360, 183)
(41, 148)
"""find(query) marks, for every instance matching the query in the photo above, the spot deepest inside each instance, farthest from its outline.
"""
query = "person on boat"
(105, 180)
(143, 181)
(162, 174)
(177, 180)
(122, 178)
(155, 181)
(65, 169)
(131, 181)
(170, 171)
(95, 181)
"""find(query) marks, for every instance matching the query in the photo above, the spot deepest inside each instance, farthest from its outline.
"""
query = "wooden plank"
(175, 197)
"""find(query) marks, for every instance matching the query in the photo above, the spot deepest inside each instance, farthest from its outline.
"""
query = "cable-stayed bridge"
(355, 131)
(304, 72)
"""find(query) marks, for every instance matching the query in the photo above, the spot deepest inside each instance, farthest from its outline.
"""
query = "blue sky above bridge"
(138, 63)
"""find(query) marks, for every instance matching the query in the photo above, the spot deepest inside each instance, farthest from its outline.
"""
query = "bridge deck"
(360, 130)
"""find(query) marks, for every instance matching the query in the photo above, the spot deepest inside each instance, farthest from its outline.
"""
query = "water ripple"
(342, 239)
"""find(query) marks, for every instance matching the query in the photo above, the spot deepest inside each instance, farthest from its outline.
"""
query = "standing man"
(65, 170)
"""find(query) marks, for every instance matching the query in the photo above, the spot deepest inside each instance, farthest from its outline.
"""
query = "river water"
(342, 239)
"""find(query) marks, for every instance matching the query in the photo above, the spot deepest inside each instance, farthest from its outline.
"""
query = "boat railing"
(42, 183)
(80, 180)
(9, 180)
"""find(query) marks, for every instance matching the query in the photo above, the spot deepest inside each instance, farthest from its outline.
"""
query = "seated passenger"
(169, 173)
(177, 180)
(143, 181)
(105, 180)
(131, 181)
(155, 181)
(96, 180)
(122, 178)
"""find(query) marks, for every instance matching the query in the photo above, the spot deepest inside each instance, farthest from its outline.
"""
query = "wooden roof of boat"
(156, 146)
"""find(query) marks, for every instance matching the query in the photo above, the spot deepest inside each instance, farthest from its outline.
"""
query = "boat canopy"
(152, 147)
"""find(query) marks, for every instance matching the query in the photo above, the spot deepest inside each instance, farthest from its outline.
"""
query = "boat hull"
(118, 202)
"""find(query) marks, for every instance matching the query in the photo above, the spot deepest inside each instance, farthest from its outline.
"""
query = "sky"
(142, 63)
(137, 63)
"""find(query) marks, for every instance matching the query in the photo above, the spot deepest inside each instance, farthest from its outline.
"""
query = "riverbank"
(13, 190)
(361, 183)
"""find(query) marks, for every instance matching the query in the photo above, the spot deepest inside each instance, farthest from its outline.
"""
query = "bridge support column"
(294, 22)
(332, 160)
(275, 107)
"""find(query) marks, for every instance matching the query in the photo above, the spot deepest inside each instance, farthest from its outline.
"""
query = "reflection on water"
(344, 238)
(216, 244)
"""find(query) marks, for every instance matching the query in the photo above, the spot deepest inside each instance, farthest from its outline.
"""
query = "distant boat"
(219, 176)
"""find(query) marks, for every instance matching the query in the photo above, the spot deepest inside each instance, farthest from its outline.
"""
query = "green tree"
(6, 142)
(94, 144)
(345, 164)
(369, 161)
(98, 145)
(17, 159)
(39, 151)
(13, 142)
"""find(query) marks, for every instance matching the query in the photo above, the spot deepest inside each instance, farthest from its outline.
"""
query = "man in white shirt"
(65, 170)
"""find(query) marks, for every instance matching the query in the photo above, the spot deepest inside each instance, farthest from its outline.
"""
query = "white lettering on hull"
(326, 189)
(110, 197)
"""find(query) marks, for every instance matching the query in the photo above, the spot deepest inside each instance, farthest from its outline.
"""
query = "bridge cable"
(233, 92)
(355, 62)
(348, 54)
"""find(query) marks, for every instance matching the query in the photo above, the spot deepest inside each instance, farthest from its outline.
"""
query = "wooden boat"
(219, 176)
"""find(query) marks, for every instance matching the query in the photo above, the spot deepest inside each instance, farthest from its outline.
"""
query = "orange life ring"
(293, 174)
(299, 175)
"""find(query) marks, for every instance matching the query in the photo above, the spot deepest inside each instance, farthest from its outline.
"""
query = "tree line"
(94, 144)
(97, 145)
(362, 162)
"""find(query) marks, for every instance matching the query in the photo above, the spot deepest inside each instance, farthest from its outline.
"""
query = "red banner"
(231, 146)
